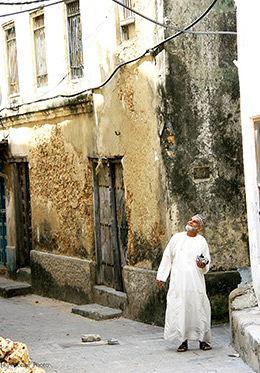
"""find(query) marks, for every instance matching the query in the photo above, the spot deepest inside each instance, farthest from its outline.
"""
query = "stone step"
(96, 311)
(109, 297)
(10, 288)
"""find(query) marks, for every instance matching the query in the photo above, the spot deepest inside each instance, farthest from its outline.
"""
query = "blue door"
(3, 240)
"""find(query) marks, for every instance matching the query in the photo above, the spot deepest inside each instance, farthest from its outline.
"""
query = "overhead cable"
(32, 9)
(173, 27)
(119, 3)
(158, 48)
(91, 37)
(23, 2)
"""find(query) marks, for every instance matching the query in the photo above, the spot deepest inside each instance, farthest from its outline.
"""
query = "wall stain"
(200, 124)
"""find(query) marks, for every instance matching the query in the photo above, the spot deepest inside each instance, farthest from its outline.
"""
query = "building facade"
(250, 118)
(112, 140)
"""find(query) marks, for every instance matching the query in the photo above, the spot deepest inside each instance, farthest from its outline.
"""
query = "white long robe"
(188, 313)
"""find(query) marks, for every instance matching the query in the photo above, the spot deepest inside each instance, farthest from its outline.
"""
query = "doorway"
(21, 181)
(3, 238)
(111, 227)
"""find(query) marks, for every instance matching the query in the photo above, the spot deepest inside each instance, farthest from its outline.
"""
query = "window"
(201, 173)
(75, 40)
(12, 64)
(40, 50)
(126, 20)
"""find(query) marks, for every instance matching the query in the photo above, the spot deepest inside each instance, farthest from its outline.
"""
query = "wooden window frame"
(41, 78)
(256, 122)
(76, 70)
(126, 19)
(11, 71)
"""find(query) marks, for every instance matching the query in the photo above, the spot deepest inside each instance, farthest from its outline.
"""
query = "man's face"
(194, 224)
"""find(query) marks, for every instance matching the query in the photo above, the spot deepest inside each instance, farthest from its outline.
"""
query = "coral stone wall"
(201, 133)
(61, 193)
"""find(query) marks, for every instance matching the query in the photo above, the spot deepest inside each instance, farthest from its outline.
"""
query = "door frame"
(118, 277)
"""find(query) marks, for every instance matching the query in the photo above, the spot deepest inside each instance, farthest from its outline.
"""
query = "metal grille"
(73, 8)
(40, 51)
(126, 13)
(13, 80)
(75, 40)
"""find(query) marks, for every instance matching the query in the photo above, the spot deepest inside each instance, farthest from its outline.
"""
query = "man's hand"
(201, 264)
(160, 283)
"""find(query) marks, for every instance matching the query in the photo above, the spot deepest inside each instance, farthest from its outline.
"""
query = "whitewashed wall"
(249, 76)
(98, 24)
(100, 46)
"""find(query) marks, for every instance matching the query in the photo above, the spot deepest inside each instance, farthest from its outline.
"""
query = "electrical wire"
(91, 37)
(23, 2)
(121, 4)
(154, 51)
(32, 9)
(117, 132)
(158, 48)
(173, 27)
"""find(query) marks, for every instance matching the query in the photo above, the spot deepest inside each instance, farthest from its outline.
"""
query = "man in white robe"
(188, 313)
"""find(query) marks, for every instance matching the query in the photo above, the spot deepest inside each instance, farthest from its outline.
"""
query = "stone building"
(112, 139)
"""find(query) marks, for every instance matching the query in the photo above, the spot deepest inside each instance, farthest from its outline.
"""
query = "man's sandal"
(183, 347)
(205, 346)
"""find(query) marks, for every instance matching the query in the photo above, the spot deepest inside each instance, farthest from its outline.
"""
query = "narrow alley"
(53, 333)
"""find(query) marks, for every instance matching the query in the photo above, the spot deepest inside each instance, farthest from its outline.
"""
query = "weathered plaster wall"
(126, 120)
(249, 79)
(61, 192)
(124, 124)
(127, 127)
(200, 129)
(56, 144)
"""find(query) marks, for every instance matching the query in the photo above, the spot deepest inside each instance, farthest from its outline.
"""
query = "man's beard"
(191, 229)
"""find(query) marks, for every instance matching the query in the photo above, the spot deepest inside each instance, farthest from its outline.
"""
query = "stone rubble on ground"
(90, 338)
(14, 357)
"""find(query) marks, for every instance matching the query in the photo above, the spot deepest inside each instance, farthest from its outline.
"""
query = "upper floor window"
(12, 63)
(127, 20)
(40, 50)
(75, 40)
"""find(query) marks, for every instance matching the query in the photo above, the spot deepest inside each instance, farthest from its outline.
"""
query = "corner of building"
(245, 324)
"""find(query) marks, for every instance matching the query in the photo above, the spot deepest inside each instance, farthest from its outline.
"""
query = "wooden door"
(3, 239)
(25, 226)
(110, 224)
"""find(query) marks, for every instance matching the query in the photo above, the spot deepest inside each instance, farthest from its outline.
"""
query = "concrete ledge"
(97, 312)
(10, 288)
(109, 297)
(147, 303)
(245, 325)
(219, 285)
(61, 277)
